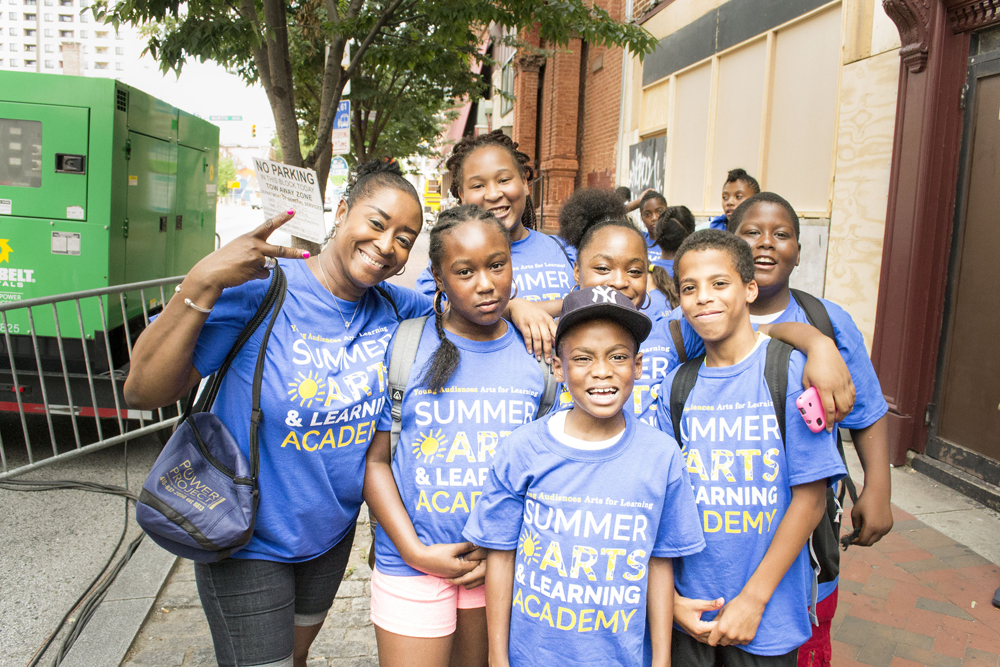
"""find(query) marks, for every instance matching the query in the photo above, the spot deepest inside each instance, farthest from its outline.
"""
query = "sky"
(207, 89)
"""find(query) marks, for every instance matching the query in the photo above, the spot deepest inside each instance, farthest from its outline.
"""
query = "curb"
(110, 633)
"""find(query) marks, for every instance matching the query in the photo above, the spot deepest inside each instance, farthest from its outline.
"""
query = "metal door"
(152, 181)
(44, 161)
(965, 411)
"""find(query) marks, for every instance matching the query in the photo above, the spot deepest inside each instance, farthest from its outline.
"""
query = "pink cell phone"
(811, 409)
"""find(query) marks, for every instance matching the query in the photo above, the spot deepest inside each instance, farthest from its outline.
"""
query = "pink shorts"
(424, 606)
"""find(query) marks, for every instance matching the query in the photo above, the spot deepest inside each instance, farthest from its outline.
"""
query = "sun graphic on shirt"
(429, 446)
(530, 546)
(307, 389)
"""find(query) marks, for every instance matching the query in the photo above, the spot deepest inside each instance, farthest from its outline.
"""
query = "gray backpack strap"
(548, 397)
(404, 353)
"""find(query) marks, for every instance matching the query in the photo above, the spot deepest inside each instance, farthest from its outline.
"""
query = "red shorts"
(817, 651)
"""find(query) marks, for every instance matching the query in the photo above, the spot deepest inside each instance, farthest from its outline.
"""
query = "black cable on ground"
(91, 598)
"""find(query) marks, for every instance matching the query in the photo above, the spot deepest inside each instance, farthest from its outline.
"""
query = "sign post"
(284, 187)
(341, 136)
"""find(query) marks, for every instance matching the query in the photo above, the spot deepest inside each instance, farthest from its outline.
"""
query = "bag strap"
(548, 397)
(404, 353)
(815, 312)
(388, 297)
(776, 378)
(678, 338)
(680, 389)
(258, 376)
(277, 284)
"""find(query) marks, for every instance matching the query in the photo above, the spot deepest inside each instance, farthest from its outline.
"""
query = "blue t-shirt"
(323, 397)
(449, 439)
(584, 525)
(719, 222)
(658, 305)
(653, 250)
(665, 264)
(542, 270)
(869, 405)
(658, 359)
(742, 475)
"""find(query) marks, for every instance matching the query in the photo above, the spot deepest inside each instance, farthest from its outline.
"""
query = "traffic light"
(253, 130)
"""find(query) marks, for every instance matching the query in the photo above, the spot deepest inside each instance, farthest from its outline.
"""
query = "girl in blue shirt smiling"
(490, 172)
(470, 385)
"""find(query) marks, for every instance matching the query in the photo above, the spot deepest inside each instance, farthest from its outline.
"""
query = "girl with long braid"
(490, 172)
(470, 385)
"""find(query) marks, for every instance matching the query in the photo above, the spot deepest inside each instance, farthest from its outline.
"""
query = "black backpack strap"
(815, 312)
(776, 378)
(278, 285)
(678, 338)
(256, 413)
(388, 297)
(680, 389)
(563, 251)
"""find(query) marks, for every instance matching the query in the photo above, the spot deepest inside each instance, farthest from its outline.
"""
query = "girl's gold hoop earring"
(516, 290)
(401, 271)
(439, 300)
(647, 303)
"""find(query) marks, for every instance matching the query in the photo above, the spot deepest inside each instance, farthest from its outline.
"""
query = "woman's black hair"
(444, 361)
(624, 192)
(466, 146)
(650, 196)
(739, 174)
(374, 175)
(716, 239)
(763, 198)
(588, 210)
(673, 226)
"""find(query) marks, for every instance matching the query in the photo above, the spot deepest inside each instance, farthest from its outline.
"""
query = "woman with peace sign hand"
(323, 397)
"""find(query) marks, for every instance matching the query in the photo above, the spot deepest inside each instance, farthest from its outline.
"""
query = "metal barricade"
(74, 378)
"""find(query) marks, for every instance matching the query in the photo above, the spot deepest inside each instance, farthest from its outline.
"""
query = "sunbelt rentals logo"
(12, 277)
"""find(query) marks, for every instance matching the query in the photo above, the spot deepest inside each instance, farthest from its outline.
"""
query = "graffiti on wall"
(646, 164)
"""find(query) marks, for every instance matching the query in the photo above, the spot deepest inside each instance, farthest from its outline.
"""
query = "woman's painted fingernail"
(305, 254)
(291, 211)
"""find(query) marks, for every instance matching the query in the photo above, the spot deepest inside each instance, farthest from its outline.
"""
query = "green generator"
(100, 185)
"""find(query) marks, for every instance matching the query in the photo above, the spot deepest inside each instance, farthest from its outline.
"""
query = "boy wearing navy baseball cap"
(583, 509)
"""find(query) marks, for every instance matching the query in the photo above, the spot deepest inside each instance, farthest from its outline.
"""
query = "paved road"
(53, 543)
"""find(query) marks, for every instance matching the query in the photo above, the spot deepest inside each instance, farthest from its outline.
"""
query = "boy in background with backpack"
(759, 474)
(770, 226)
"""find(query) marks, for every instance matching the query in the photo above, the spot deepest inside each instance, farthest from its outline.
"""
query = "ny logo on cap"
(606, 293)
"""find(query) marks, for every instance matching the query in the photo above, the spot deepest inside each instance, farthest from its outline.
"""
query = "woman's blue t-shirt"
(584, 525)
(450, 438)
(742, 475)
(323, 397)
(542, 270)
(665, 264)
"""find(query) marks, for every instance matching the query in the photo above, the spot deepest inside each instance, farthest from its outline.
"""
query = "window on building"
(13, 16)
(48, 18)
(30, 17)
(65, 3)
(13, 47)
(30, 48)
(48, 32)
(100, 65)
(85, 17)
(86, 65)
(12, 32)
(65, 18)
(120, 66)
(30, 33)
(119, 50)
(30, 63)
(49, 48)
(49, 64)
(100, 49)
(507, 88)
(101, 34)
(29, 3)
(83, 34)
(66, 34)
(769, 108)
(13, 63)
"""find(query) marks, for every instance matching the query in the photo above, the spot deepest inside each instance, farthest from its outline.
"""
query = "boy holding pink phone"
(760, 476)
(769, 224)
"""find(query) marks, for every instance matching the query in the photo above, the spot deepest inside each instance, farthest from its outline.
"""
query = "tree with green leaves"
(277, 43)
(227, 174)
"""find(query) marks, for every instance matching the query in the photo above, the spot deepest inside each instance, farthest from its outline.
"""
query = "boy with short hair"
(584, 509)
(760, 482)
(769, 224)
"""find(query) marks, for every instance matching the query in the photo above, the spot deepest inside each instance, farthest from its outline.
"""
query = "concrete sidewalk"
(920, 597)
